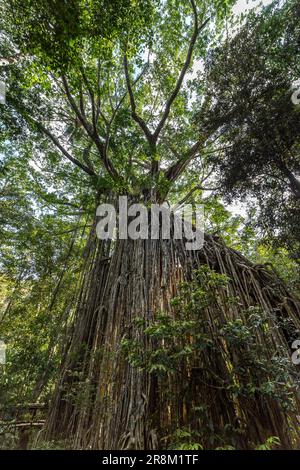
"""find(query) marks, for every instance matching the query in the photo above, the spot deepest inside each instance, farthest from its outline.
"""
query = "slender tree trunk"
(293, 180)
(102, 401)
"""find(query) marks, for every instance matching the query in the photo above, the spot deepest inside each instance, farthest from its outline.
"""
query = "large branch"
(87, 126)
(92, 100)
(294, 182)
(91, 131)
(134, 114)
(177, 168)
(115, 110)
(184, 69)
(56, 142)
(198, 187)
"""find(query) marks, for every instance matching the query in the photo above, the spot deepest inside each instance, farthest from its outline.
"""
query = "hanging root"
(108, 399)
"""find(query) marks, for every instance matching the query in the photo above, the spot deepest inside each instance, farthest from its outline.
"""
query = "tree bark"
(104, 402)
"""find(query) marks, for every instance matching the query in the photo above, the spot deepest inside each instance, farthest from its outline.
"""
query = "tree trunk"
(103, 401)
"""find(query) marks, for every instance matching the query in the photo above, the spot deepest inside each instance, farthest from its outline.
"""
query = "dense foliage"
(175, 101)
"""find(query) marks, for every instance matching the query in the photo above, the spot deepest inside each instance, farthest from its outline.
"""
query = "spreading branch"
(55, 141)
(177, 168)
(182, 74)
(198, 187)
(91, 131)
(134, 114)
(72, 159)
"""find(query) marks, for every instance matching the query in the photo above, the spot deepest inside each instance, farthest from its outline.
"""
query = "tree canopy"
(164, 101)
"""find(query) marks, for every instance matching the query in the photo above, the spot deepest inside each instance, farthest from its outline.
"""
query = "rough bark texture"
(118, 406)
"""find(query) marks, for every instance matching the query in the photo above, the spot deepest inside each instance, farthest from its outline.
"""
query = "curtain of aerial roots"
(104, 402)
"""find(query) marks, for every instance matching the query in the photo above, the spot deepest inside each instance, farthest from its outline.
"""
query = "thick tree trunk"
(104, 402)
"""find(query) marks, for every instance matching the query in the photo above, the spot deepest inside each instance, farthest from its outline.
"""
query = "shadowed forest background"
(141, 344)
